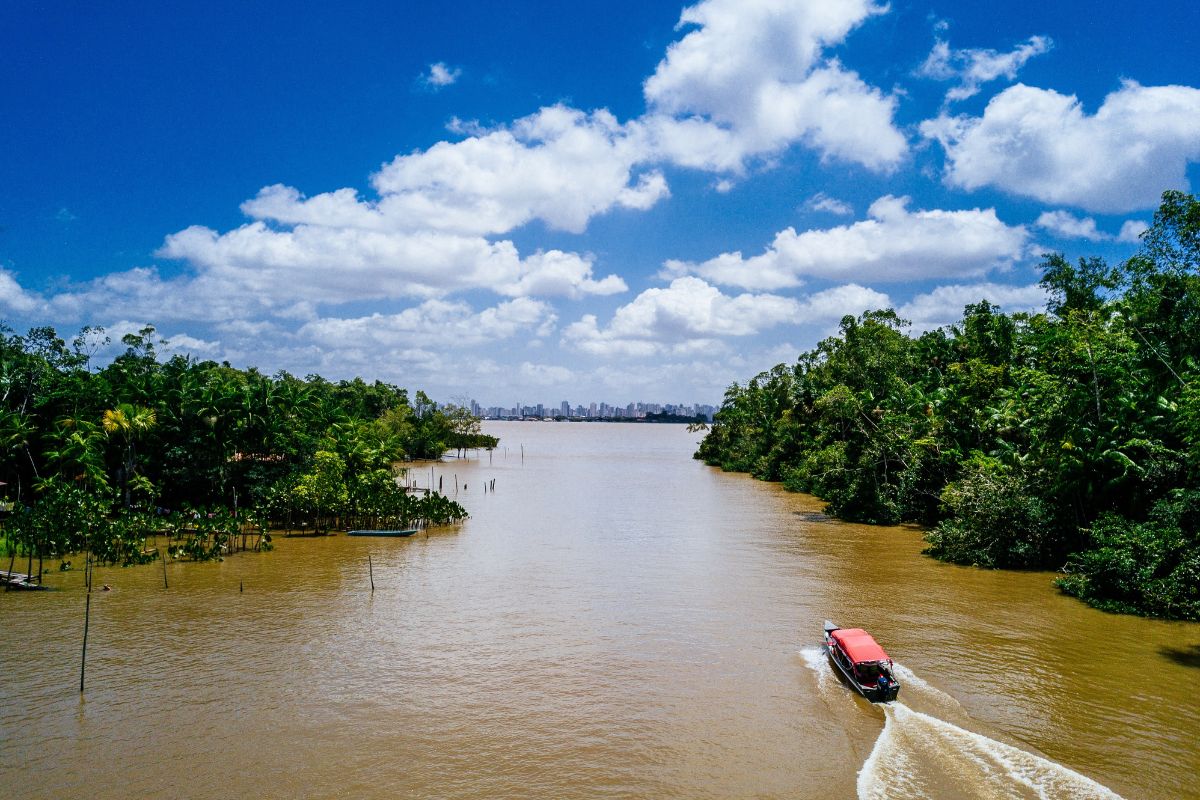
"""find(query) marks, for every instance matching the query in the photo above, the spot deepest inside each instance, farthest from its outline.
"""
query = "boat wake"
(920, 755)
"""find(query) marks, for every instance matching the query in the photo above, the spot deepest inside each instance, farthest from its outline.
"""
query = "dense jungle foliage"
(1068, 439)
(98, 459)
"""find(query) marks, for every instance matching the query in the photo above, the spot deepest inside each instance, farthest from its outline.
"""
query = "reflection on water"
(614, 620)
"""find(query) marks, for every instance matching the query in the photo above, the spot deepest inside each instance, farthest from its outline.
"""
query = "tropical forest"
(1065, 440)
(97, 459)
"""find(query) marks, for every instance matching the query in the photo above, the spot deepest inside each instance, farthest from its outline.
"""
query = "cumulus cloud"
(944, 305)
(449, 324)
(823, 202)
(440, 75)
(1132, 230)
(330, 264)
(751, 78)
(894, 244)
(1041, 144)
(15, 299)
(545, 375)
(560, 165)
(831, 305)
(684, 317)
(1069, 226)
(185, 343)
(974, 67)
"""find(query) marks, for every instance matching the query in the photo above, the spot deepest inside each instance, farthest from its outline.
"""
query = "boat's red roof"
(859, 645)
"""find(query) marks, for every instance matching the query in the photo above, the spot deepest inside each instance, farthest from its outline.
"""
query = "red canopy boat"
(862, 661)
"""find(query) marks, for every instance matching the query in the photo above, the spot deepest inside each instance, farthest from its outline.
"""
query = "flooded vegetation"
(99, 461)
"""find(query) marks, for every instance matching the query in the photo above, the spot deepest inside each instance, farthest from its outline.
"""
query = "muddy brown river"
(615, 620)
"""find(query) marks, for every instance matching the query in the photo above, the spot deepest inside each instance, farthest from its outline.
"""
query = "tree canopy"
(153, 436)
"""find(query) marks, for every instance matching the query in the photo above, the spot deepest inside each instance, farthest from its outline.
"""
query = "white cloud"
(974, 67)
(895, 244)
(686, 316)
(1131, 230)
(1069, 226)
(428, 232)
(332, 264)
(750, 80)
(831, 305)
(14, 298)
(823, 202)
(1039, 143)
(545, 375)
(440, 75)
(944, 305)
(560, 165)
(184, 343)
(445, 324)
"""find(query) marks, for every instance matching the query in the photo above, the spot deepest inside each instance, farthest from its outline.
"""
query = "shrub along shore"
(97, 460)
(1067, 440)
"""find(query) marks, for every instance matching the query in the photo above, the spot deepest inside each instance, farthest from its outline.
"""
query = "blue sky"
(586, 201)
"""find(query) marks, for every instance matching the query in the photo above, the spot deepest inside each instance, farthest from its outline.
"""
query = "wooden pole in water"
(456, 483)
(87, 618)
(522, 454)
(163, 556)
(371, 571)
(241, 586)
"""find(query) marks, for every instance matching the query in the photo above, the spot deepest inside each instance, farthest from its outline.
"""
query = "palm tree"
(130, 422)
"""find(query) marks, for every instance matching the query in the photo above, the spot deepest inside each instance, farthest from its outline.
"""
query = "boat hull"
(405, 532)
(873, 693)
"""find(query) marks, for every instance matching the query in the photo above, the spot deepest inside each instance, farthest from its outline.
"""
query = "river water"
(615, 620)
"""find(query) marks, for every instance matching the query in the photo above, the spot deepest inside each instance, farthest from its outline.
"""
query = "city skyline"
(592, 410)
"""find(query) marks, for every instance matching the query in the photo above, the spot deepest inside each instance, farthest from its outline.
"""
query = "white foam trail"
(828, 685)
(912, 684)
(910, 678)
(886, 759)
(916, 752)
(814, 658)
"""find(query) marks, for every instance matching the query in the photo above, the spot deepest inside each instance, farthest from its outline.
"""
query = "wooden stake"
(371, 571)
(163, 556)
(87, 616)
